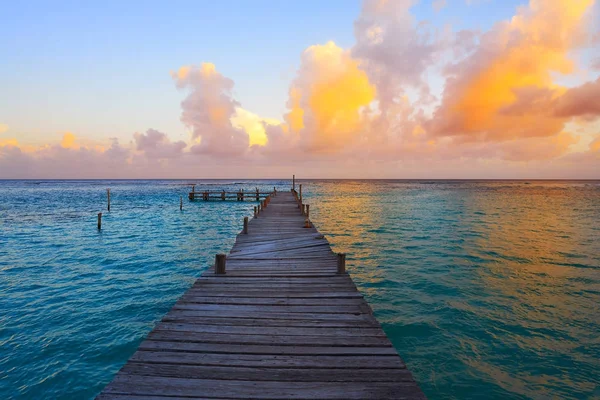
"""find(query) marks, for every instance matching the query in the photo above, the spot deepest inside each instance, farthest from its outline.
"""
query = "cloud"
(68, 141)
(56, 161)
(155, 144)
(208, 109)
(581, 101)
(326, 98)
(394, 49)
(253, 125)
(3, 128)
(514, 61)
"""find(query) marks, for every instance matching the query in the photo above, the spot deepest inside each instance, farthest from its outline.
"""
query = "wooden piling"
(257, 195)
(307, 211)
(293, 182)
(180, 203)
(341, 263)
(300, 194)
(99, 220)
(108, 198)
(303, 209)
(223, 195)
(245, 230)
(255, 212)
(220, 264)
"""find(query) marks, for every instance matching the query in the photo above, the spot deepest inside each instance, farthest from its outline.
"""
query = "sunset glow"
(421, 89)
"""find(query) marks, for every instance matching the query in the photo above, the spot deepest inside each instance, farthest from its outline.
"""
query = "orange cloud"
(9, 143)
(516, 57)
(327, 96)
(68, 141)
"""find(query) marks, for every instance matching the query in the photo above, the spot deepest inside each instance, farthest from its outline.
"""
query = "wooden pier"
(240, 195)
(277, 318)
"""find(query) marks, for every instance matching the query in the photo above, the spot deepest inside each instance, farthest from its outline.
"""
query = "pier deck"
(280, 323)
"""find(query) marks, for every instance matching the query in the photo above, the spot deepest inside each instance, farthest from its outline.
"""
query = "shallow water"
(487, 289)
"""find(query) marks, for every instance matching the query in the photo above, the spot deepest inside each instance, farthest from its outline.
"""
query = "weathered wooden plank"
(278, 301)
(272, 330)
(323, 323)
(290, 294)
(153, 385)
(269, 374)
(279, 340)
(357, 309)
(340, 361)
(194, 347)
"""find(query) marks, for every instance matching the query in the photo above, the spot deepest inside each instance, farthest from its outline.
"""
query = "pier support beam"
(255, 212)
(307, 211)
(108, 198)
(341, 263)
(245, 230)
(180, 203)
(99, 220)
(300, 196)
(220, 264)
(293, 182)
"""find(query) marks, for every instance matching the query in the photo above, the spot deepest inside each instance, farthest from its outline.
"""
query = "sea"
(487, 289)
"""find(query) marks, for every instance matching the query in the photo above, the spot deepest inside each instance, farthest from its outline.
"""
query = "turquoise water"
(487, 289)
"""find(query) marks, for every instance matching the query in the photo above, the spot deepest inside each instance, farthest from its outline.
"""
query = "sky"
(337, 89)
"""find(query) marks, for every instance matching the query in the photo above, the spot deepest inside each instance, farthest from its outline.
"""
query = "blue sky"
(102, 69)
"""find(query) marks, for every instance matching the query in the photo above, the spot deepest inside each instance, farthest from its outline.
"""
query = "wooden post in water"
(99, 221)
(180, 203)
(257, 195)
(255, 212)
(307, 211)
(242, 194)
(341, 263)
(223, 195)
(220, 264)
(108, 198)
(245, 231)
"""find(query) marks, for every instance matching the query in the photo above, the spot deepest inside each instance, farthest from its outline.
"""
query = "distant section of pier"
(277, 318)
(240, 195)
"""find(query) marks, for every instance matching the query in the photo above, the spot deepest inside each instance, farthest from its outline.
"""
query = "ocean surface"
(487, 289)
